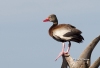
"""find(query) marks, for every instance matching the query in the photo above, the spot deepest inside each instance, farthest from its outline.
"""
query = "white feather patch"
(60, 34)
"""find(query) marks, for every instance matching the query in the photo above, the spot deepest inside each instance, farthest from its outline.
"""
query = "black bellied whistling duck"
(63, 33)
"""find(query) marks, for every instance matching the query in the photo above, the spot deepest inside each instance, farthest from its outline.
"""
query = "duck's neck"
(55, 23)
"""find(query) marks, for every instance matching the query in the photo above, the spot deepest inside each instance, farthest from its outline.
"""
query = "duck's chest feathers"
(52, 28)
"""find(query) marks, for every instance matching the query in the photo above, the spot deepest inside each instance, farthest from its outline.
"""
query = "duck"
(63, 33)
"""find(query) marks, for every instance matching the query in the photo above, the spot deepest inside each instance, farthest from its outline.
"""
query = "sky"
(24, 38)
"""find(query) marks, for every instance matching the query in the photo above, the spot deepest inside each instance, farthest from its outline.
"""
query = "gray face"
(52, 18)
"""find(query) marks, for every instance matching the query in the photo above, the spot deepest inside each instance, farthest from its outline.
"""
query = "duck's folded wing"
(72, 32)
(65, 30)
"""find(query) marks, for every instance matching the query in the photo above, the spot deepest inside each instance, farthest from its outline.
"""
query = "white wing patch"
(60, 33)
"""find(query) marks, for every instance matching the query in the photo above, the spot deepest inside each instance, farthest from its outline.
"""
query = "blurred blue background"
(24, 39)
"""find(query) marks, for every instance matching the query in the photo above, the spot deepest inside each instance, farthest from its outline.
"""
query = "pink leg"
(69, 45)
(62, 52)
